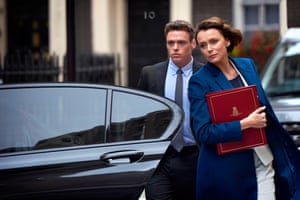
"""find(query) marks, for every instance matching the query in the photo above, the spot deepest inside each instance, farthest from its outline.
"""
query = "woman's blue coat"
(232, 176)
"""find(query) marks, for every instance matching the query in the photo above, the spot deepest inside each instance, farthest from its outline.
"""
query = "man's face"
(180, 47)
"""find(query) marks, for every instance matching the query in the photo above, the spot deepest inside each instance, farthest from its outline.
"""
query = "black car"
(281, 81)
(81, 141)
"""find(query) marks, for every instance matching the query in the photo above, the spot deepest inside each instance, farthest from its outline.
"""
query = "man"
(175, 175)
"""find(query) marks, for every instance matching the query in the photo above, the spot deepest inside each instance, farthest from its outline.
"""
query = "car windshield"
(282, 75)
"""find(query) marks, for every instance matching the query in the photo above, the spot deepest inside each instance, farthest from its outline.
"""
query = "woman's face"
(213, 45)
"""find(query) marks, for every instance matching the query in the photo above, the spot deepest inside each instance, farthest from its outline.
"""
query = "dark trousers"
(175, 177)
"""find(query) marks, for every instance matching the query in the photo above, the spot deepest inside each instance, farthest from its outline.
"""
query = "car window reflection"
(136, 118)
(44, 118)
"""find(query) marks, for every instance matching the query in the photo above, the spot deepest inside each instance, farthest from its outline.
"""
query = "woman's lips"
(212, 56)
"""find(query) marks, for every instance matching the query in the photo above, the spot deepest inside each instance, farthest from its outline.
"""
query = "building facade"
(130, 29)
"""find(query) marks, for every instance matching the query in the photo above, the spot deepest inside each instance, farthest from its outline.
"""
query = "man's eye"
(181, 43)
(170, 43)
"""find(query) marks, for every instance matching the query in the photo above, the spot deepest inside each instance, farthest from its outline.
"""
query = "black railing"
(92, 68)
(24, 68)
(95, 68)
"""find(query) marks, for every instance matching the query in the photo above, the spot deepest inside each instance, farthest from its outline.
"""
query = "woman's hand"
(256, 119)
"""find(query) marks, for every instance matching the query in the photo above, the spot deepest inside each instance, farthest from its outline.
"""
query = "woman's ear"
(227, 43)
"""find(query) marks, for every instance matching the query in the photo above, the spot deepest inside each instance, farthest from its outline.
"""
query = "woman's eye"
(202, 46)
(214, 42)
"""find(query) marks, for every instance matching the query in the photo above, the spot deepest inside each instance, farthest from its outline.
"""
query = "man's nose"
(176, 45)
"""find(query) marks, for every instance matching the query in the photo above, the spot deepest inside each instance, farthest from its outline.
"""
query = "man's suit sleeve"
(152, 78)
(143, 79)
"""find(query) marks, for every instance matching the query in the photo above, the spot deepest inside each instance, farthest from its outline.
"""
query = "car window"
(137, 117)
(40, 118)
(283, 74)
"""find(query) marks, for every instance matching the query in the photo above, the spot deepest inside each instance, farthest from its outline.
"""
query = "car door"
(80, 141)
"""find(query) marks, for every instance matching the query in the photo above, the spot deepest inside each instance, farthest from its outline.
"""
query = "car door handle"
(122, 157)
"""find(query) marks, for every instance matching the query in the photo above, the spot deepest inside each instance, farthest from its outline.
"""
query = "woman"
(265, 172)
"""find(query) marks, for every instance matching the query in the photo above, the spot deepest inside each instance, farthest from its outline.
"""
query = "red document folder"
(235, 104)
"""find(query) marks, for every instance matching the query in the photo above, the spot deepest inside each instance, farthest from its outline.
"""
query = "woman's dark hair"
(230, 33)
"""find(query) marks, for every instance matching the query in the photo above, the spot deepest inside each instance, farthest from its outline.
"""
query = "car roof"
(292, 35)
(75, 84)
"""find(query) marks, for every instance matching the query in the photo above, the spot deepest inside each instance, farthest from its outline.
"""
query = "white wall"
(283, 17)
(58, 30)
(109, 28)
(101, 25)
(119, 37)
(238, 17)
(181, 9)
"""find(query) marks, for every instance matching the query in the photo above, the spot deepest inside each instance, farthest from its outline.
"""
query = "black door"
(146, 40)
(27, 27)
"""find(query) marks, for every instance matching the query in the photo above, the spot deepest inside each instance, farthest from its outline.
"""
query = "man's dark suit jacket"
(152, 78)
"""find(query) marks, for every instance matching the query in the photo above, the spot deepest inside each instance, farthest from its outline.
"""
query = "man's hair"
(180, 25)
